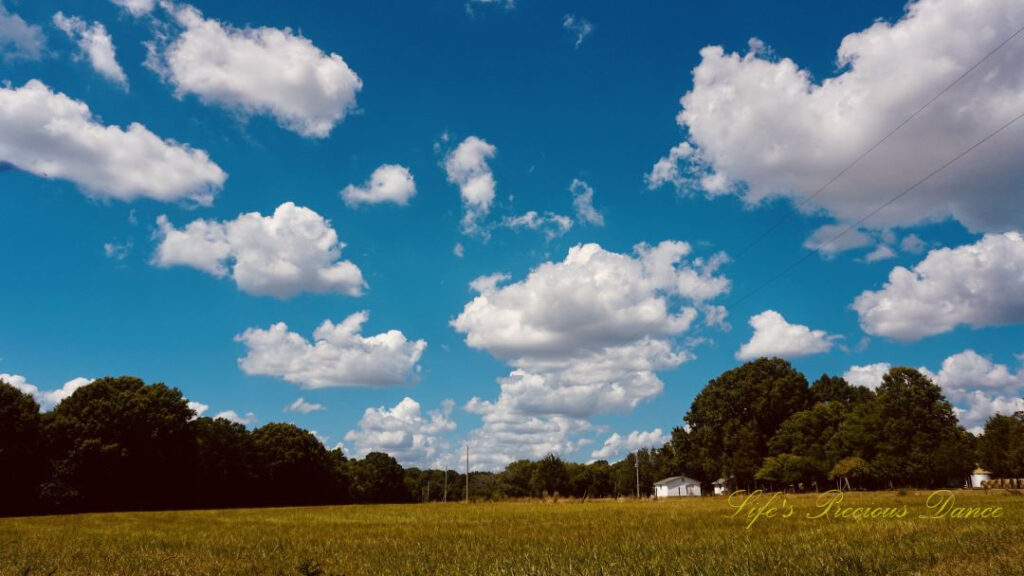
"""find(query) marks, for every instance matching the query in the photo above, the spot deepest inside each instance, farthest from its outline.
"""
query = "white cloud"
(294, 250)
(583, 203)
(913, 244)
(47, 399)
(339, 355)
(582, 337)
(404, 432)
(52, 136)
(580, 28)
(388, 183)
(760, 126)
(773, 336)
(869, 376)
(19, 39)
(116, 251)
(198, 407)
(979, 388)
(459, 251)
(136, 7)
(617, 446)
(95, 43)
(827, 241)
(951, 286)
(302, 407)
(231, 416)
(881, 252)
(467, 167)
(257, 71)
(552, 225)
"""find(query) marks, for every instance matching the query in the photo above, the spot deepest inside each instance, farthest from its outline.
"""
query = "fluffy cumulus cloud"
(582, 336)
(338, 356)
(550, 224)
(388, 183)
(94, 43)
(616, 445)
(869, 376)
(136, 7)
(18, 39)
(53, 136)
(773, 336)
(760, 126)
(291, 251)
(256, 71)
(583, 203)
(951, 286)
(46, 399)
(198, 407)
(405, 432)
(979, 388)
(467, 167)
(302, 407)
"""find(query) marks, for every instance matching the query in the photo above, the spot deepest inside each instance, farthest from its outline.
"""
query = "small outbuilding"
(977, 477)
(676, 487)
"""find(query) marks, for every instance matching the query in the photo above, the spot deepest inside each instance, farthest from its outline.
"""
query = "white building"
(978, 476)
(676, 486)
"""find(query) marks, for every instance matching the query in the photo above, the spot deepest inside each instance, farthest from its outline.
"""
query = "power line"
(888, 202)
(857, 160)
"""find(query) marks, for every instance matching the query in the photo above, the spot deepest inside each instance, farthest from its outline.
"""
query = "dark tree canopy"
(22, 458)
(733, 418)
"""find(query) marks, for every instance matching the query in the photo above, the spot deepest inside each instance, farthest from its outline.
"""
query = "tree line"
(122, 444)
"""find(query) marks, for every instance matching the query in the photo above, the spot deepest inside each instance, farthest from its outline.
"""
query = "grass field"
(688, 536)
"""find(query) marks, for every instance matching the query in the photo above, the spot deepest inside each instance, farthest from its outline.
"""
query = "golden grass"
(687, 536)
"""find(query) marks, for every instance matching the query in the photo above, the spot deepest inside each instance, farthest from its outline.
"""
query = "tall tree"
(119, 443)
(920, 442)
(294, 466)
(226, 466)
(1001, 447)
(22, 459)
(735, 415)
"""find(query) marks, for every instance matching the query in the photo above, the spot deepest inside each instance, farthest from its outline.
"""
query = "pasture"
(688, 536)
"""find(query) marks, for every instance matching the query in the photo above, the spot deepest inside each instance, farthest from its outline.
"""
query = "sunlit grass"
(687, 536)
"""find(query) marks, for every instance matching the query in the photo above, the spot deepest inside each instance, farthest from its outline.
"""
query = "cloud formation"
(52, 136)
(388, 183)
(760, 126)
(18, 39)
(291, 251)
(950, 287)
(302, 407)
(136, 7)
(467, 167)
(583, 336)
(583, 203)
(256, 71)
(616, 446)
(338, 356)
(47, 399)
(773, 336)
(94, 43)
(404, 432)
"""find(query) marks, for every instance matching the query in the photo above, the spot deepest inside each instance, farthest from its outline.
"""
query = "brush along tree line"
(122, 444)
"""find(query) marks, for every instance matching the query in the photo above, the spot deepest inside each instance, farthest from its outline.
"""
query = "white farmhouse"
(977, 477)
(676, 486)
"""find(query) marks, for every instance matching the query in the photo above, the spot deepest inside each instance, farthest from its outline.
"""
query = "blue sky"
(95, 286)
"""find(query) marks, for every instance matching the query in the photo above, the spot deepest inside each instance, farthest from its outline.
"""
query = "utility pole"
(636, 461)
(467, 473)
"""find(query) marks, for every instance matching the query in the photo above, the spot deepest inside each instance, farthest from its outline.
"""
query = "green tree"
(735, 415)
(807, 434)
(226, 463)
(1001, 447)
(850, 471)
(378, 478)
(516, 479)
(119, 443)
(22, 458)
(920, 442)
(785, 469)
(549, 476)
(294, 468)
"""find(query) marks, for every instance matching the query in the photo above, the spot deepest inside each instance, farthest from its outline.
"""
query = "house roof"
(980, 470)
(672, 479)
